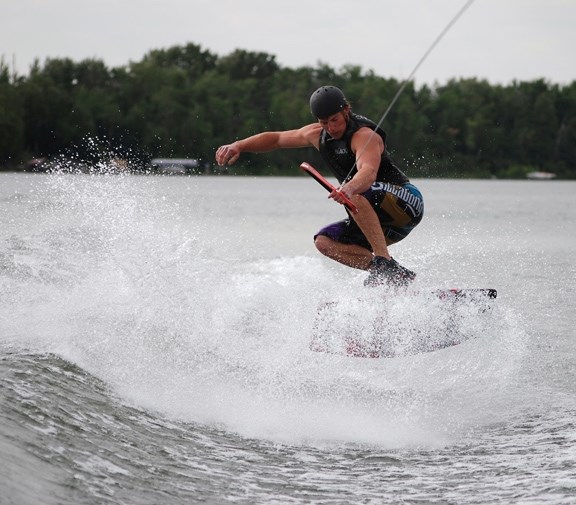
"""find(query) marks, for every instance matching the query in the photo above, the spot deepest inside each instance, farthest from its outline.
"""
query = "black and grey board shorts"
(399, 208)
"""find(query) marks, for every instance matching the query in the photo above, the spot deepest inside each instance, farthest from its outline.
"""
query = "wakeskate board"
(385, 326)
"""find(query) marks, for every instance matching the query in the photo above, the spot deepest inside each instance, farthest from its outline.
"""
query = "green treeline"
(184, 102)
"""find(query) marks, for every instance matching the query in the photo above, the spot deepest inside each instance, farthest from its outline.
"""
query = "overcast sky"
(497, 40)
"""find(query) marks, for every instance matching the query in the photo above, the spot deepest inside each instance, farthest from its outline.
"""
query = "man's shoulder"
(312, 133)
(312, 128)
(364, 123)
(363, 120)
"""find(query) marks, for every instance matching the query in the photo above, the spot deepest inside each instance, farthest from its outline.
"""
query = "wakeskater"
(383, 207)
(386, 207)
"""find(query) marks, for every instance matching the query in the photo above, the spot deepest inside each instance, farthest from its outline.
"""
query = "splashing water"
(148, 283)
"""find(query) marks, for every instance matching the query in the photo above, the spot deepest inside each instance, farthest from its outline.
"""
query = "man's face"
(335, 124)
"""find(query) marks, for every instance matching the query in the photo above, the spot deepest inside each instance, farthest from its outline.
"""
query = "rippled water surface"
(155, 347)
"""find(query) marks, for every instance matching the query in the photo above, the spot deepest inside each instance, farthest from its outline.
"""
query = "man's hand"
(340, 195)
(228, 154)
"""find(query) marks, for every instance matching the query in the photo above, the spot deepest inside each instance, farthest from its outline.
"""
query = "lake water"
(154, 347)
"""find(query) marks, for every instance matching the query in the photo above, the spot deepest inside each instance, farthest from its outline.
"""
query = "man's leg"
(351, 255)
(367, 220)
(382, 267)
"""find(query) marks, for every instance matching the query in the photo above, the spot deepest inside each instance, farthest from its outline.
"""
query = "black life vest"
(338, 155)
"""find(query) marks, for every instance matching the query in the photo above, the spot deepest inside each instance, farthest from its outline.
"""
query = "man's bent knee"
(324, 245)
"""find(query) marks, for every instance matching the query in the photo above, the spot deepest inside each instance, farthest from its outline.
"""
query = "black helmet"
(327, 100)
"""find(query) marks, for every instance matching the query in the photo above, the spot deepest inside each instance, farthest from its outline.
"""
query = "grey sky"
(499, 40)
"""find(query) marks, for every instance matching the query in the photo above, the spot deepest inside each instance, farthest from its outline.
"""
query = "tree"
(11, 118)
(184, 101)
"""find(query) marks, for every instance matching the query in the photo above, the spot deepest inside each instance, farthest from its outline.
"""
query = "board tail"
(467, 293)
(350, 329)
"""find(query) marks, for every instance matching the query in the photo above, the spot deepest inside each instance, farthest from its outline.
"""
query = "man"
(354, 149)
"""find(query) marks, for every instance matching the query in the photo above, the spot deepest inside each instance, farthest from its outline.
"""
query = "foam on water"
(164, 305)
